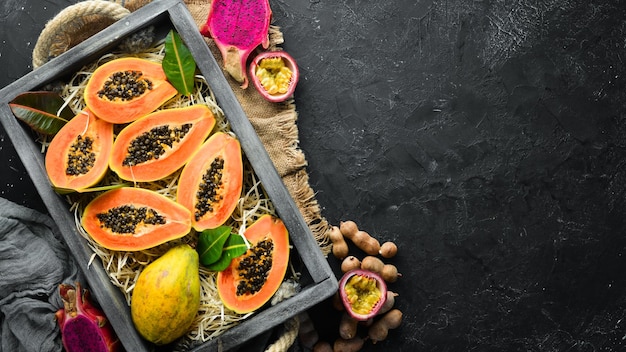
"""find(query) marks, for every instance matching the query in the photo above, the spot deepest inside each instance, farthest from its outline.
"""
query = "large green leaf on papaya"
(178, 64)
(44, 111)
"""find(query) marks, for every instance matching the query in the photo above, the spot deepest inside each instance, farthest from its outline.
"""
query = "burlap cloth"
(275, 123)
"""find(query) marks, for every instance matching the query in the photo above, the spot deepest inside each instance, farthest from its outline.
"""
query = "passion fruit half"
(363, 293)
(275, 75)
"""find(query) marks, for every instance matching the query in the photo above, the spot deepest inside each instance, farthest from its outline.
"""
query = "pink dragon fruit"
(238, 27)
(83, 326)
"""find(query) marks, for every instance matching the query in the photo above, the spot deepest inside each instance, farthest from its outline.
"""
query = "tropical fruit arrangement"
(162, 191)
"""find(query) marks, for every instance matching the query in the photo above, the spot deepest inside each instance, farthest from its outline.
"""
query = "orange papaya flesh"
(210, 184)
(133, 219)
(78, 155)
(124, 89)
(243, 290)
(160, 143)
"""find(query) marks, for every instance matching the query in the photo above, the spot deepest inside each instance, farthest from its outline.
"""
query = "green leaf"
(47, 101)
(234, 247)
(210, 244)
(178, 64)
(39, 111)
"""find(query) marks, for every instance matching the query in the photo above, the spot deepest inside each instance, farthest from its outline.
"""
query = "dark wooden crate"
(318, 279)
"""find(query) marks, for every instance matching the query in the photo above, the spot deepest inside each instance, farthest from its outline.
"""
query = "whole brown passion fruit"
(363, 293)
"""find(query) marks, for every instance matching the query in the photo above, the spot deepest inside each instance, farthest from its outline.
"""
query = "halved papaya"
(124, 89)
(133, 219)
(160, 143)
(252, 278)
(78, 155)
(210, 184)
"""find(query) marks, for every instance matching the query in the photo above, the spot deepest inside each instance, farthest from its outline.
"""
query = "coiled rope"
(59, 34)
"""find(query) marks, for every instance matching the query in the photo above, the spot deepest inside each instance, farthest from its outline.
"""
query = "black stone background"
(486, 138)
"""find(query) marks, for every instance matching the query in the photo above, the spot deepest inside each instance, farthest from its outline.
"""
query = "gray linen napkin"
(33, 262)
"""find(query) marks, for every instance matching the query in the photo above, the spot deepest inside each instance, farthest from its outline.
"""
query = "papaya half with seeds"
(210, 184)
(133, 219)
(78, 155)
(160, 143)
(251, 279)
(124, 89)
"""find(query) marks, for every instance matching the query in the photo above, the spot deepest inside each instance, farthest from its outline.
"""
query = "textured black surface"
(484, 137)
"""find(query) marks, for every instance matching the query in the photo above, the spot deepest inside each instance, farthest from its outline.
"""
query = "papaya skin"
(166, 297)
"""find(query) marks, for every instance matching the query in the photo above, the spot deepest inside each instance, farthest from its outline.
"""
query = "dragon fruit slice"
(238, 27)
(83, 326)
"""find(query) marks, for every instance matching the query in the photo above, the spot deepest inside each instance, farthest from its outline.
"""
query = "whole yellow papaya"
(166, 297)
